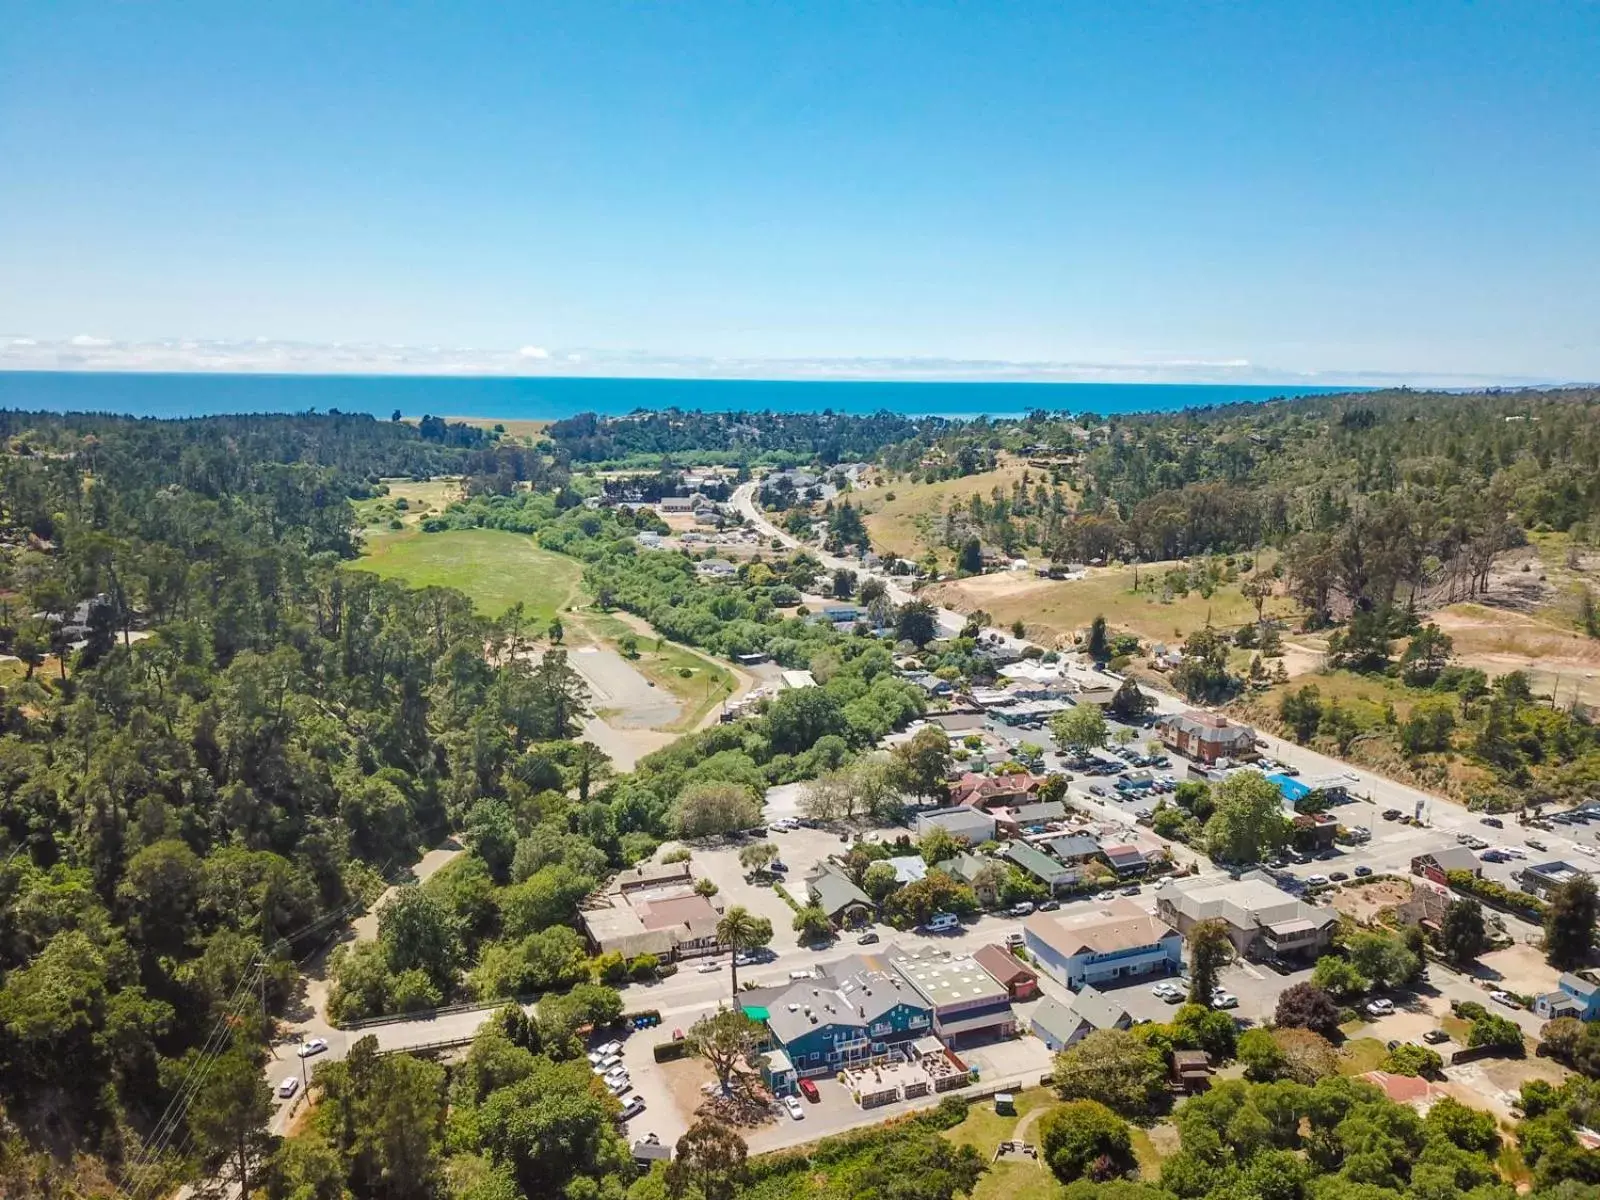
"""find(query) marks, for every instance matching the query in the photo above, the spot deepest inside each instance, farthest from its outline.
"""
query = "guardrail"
(428, 1014)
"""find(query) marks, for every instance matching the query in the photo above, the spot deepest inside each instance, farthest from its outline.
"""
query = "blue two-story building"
(1574, 997)
(1104, 946)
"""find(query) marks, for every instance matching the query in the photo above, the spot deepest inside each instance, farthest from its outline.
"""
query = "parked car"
(1338, 876)
(1049, 905)
(1536, 844)
(1022, 909)
(1316, 880)
(632, 1108)
(1391, 814)
(867, 939)
(709, 968)
(289, 1087)
(1493, 822)
(1131, 890)
(1434, 1036)
(1362, 872)
(809, 1091)
(619, 1087)
(314, 1046)
(793, 1105)
(1224, 1000)
(1505, 998)
(1380, 1008)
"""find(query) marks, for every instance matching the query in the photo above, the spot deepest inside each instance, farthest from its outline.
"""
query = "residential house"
(1262, 921)
(715, 568)
(969, 1006)
(1049, 872)
(1206, 737)
(1054, 1024)
(1129, 859)
(930, 683)
(1091, 1010)
(1574, 997)
(971, 824)
(1437, 864)
(908, 868)
(842, 900)
(968, 869)
(1008, 970)
(1075, 849)
(1103, 945)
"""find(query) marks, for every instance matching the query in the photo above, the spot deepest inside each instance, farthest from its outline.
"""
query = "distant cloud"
(265, 356)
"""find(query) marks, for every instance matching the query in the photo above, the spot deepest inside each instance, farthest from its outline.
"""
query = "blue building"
(824, 1025)
(1575, 997)
(1104, 946)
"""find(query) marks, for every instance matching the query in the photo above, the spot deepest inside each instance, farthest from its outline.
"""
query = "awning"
(1285, 928)
(755, 1012)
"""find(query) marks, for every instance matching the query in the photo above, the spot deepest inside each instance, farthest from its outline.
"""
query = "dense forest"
(766, 437)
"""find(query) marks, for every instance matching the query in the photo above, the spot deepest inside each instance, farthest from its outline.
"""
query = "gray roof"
(788, 1019)
(1454, 858)
(964, 866)
(1048, 810)
(834, 891)
(1248, 903)
(1056, 1019)
(1099, 1009)
(876, 992)
(1577, 986)
(1074, 845)
(962, 822)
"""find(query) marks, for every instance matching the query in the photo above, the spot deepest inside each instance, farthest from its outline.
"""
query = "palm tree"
(738, 929)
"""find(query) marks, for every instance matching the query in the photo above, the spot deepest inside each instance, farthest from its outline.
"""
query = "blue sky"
(1181, 190)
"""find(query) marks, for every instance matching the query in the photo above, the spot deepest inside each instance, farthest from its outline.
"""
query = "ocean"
(501, 398)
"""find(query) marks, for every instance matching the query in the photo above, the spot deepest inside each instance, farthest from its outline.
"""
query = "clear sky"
(1351, 188)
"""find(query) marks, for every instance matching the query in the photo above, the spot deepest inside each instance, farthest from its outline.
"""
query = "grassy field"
(899, 524)
(985, 1129)
(664, 662)
(1062, 607)
(529, 431)
(1360, 1055)
(423, 499)
(495, 569)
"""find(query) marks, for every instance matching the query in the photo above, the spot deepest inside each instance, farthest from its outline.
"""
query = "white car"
(709, 968)
(610, 1048)
(615, 1073)
(1224, 1000)
(1316, 880)
(793, 1105)
(1505, 998)
(619, 1087)
(607, 1064)
(1380, 1008)
(1164, 987)
(288, 1087)
(314, 1046)
(632, 1108)
(1514, 851)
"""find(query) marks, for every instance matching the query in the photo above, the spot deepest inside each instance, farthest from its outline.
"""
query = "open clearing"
(520, 430)
(423, 498)
(1067, 606)
(494, 568)
(899, 524)
(697, 682)
(1497, 640)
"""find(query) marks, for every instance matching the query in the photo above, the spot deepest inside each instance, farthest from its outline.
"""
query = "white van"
(940, 922)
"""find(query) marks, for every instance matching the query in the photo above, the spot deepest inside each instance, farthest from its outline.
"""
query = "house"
(1075, 849)
(1103, 945)
(715, 568)
(1032, 861)
(959, 721)
(1437, 864)
(968, 1004)
(652, 909)
(908, 868)
(795, 680)
(1574, 997)
(971, 824)
(1206, 737)
(968, 868)
(842, 900)
(1191, 1070)
(1129, 860)
(1263, 922)
(930, 683)
(676, 504)
(1543, 879)
(1009, 971)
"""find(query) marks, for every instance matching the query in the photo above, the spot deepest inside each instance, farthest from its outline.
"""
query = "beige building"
(1263, 921)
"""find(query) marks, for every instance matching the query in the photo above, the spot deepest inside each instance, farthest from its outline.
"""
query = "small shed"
(1191, 1070)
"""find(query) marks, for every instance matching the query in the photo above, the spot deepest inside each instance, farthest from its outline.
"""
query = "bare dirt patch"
(1522, 969)
(1363, 902)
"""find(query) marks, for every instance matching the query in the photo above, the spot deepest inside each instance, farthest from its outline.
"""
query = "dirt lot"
(1365, 901)
(1493, 1084)
(1497, 640)
(1522, 969)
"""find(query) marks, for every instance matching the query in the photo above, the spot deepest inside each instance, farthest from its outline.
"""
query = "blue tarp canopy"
(1292, 789)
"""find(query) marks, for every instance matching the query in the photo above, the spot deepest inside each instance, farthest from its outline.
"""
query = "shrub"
(1497, 1032)
(1411, 1059)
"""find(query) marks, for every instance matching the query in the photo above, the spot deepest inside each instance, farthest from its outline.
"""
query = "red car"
(809, 1091)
